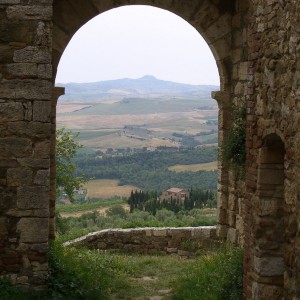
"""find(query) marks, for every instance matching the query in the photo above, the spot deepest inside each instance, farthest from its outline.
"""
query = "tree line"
(150, 202)
(149, 170)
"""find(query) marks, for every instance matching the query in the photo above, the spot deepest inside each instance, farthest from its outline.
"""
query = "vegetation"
(66, 179)
(151, 203)
(216, 276)
(195, 167)
(149, 170)
(118, 217)
(87, 205)
(234, 146)
(86, 274)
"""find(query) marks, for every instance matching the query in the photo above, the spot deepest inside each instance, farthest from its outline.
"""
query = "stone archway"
(33, 38)
(217, 23)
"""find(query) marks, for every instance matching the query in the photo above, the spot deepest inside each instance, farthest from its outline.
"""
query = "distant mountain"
(147, 86)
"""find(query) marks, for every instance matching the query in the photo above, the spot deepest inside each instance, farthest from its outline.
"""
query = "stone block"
(29, 12)
(268, 206)
(31, 54)
(232, 235)
(159, 232)
(22, 70)
(41, 149)
(265, 291)
(269, 266)
(41, 111)
(222, 231)
(3, 226)
(33, 230)
(201, 232)
(31, 129)
(29, 89)
(19, 176)
(34, 163)
(10, 112)
(172, 250)
(42, 177)
(222, 216)
(44, 71)
(32, 197)
(15, 147)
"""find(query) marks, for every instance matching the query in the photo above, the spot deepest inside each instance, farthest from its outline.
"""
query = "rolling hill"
(147, 86)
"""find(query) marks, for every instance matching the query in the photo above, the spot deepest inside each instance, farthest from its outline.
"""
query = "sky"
(134, 41)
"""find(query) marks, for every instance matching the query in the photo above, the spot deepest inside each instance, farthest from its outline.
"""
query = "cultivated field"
(107, 188)
(152, 122)
(194, 168)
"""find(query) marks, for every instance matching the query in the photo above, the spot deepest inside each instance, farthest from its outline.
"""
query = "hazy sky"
(133, 41)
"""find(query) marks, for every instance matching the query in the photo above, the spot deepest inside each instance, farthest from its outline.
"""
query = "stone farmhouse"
(177, 194)
(256, 44)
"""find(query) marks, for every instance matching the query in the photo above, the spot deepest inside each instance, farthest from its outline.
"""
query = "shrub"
(234, 145)
(217, 276)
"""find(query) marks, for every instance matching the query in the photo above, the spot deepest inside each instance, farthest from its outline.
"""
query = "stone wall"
(183, 241)
(256, 44)
(25, 132)
(272, 261)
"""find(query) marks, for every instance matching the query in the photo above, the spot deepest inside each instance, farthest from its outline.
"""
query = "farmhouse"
(174, 194)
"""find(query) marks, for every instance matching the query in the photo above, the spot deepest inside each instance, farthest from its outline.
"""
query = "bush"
(217, 276)
(234, 145)
(83, 274)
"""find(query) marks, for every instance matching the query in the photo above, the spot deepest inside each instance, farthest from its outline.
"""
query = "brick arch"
(213, 22)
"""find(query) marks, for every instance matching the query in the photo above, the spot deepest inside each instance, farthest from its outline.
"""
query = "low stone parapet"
(183, 241)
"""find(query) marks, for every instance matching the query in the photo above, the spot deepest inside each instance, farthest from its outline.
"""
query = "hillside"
(137, 113)
(148, 86)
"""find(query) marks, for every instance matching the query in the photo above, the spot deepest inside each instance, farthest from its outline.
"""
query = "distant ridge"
(145, 86)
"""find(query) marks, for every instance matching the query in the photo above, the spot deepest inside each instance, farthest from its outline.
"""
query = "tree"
(66, 148)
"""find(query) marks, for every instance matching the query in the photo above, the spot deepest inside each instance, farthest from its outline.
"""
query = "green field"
(195, 167)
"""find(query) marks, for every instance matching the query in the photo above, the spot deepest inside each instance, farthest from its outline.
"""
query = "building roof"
(175, 190)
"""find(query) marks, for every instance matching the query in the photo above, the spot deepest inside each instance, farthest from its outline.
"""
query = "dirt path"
(154, 277)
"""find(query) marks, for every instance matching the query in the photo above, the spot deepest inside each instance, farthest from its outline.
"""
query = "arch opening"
(269, 262)
(193, 29)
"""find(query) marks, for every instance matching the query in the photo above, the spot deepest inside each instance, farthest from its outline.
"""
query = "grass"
(107, 188)
(216, 276)
(87, 205)
(86, 274)
(195, 167)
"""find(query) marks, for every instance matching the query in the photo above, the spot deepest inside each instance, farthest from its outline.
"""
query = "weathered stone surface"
(26, 89)
(265, 291)
(32, 197)
(269, 266)
(19, 176)
(23, 70)
(33, 230)
(15, 147)
(146, 240)
(42, 177)
(29, 12)
(32, 54)
(12, 111)
(41, 111)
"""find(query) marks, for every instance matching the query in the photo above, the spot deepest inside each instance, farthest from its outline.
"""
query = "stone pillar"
(224, 103)
(57, 92)
(25, 107)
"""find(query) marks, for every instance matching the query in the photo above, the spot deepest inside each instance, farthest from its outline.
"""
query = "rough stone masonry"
(256, 44)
